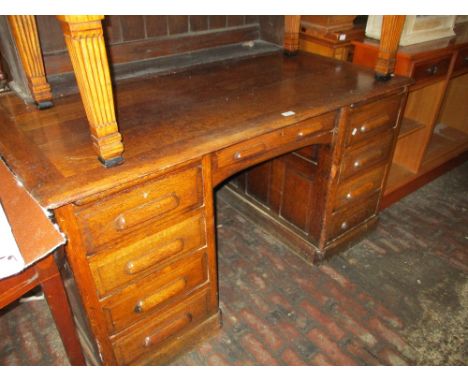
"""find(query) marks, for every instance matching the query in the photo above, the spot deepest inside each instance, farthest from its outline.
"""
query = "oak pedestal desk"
(141, 253)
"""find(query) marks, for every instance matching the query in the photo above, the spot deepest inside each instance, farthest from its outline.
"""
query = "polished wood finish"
(24, 30)
(292, 26)
(85, 43)
(392, 26)
(434, 125)
(141, 236)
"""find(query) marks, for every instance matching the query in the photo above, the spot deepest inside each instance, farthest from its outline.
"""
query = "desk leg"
(24, 31)
(85, 43)
(54, 291)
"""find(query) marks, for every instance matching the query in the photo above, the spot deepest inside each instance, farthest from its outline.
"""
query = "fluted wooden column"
(392, 26)
(24, 31)
(292, 26)
(85, 43)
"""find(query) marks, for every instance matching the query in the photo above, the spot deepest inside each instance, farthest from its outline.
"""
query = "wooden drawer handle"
(248, 152)
(158, 206)
(161, 295)
(147, 260)
(168, 330)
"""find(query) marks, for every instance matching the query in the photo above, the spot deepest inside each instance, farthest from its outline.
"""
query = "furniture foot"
(45, 105)
(112, 162)
(392, 26)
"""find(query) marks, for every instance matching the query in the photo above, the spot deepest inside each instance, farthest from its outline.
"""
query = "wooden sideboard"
(141, 237)
(434, 132)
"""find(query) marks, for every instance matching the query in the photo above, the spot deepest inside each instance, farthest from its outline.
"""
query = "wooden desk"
(141, 235)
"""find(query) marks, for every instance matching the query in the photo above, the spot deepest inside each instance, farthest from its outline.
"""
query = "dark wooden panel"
(50, 34)
(258, 181)
(217, 22)
(198, 23)
(178, 24)
(251, 19)
(234, 21)
(133, 28)
(156, 26)
(295, 200)
(144, 49)
(112, 29)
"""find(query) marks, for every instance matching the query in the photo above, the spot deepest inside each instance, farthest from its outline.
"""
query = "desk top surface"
(167, 120)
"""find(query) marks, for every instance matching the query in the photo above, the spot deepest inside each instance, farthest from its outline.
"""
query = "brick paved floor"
(398, 297)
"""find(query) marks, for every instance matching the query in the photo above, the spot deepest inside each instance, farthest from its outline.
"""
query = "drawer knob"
(357, 164)
(354, 132)
(349, 196)
(432, 70)
(237, 155)
(344, 225)
(121, 223)
(300, 134)
(363, 129)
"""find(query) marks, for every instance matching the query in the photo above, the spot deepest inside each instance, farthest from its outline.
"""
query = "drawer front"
(361, 158)
(240, 156)
(162, 287)
(358, 188)
(345, 219)
(114, 268)
(461, 62)
(369, 119)
(120, 213)
(435, 68)
(149, 335)
(309, 127)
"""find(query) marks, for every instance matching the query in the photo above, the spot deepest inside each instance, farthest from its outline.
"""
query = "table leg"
(392, 26)
(85, 43)
(292, 26)
(54, 292)
(24, 31)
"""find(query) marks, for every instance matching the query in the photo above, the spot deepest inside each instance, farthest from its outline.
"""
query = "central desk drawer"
(369, 119)
(113, 268)
(165, 285)
(149, 335)
(117, 214)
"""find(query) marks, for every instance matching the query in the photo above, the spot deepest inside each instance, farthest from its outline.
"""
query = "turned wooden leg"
(24, 31)
(85, 43)
(54, 292)
(292, 26)
(392, 26)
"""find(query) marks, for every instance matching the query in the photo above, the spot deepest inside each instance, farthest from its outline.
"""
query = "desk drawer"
(140, 299)
(114, 216)
(147, 336)
(358, 188)
(242, 155)
(361, 158)
(429, 69)
(346, 219)
(367, 120)
(114, 268)
(461, 63)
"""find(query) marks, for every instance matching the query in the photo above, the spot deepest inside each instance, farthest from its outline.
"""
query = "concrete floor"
(399, 297)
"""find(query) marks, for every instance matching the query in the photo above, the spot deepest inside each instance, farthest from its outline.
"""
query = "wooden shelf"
(409, 126)
(446, 143)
